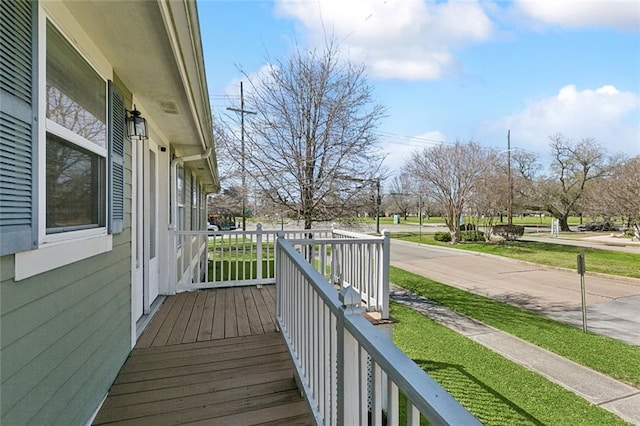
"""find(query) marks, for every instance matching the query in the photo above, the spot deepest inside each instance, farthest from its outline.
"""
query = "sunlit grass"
(239, 270)
(609, 356)
(495, 390)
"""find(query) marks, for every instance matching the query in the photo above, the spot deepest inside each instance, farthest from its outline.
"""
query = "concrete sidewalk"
(612, 395)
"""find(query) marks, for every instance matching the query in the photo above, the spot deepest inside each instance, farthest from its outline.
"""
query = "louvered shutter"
(117, 135)
(18, 130)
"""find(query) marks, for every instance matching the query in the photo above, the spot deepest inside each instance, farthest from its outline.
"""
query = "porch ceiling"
(155, 50)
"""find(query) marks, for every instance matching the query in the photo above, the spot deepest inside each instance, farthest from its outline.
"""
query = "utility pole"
(378, 201)
(510, 202)
(242, 112)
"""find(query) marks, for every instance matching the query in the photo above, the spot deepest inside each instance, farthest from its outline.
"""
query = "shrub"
(467, 227)
(470, 236)
(508, 232)
(444, 237)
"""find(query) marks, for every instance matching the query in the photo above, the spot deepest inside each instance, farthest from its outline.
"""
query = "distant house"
(86, 212)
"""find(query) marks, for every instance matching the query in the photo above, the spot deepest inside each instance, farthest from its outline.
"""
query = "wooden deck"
(210, 357)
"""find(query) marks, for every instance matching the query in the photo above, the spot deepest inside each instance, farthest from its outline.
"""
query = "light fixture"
(136, 125)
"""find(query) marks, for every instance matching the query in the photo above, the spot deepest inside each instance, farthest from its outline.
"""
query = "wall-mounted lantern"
(136, 125)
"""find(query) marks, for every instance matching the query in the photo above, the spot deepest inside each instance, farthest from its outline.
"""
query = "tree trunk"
(561, 216)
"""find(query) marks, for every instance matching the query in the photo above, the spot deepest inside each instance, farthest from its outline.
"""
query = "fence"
(350, 259)
(237, 258)
(334, 349)
(207, 259)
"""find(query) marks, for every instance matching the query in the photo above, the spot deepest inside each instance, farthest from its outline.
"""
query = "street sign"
(581, 271)
(580, 261)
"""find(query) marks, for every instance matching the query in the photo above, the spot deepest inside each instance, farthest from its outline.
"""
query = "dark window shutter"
(117, 135)
(18, 130)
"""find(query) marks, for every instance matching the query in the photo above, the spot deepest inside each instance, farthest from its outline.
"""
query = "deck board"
(206, 320)
(230, 319)
(255, 325)
(193, 325)
(219, 316)
(209, 357)
(241, 314)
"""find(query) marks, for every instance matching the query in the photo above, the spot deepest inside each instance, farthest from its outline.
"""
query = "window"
(76, 139)
(78, 147)
(195, 225)
(180, 223)
(75, 186)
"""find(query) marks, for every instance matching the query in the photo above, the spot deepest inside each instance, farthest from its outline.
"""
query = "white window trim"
(47, 125)
(57, 250)
(66, 134)
(55, 255)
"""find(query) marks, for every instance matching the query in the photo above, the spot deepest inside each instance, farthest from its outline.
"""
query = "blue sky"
(459, 70)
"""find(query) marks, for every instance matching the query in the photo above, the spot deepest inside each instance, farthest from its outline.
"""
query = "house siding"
(64, 334)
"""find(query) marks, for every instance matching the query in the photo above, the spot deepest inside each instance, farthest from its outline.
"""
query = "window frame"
(181, 182)
(57, 250)
(47, 125)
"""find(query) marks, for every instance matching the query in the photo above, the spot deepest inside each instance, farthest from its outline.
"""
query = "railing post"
(173, 260)
(278, 276)
(259, 252)
(384, 272)
(348, 366)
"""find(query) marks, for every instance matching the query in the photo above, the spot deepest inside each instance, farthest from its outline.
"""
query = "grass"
(608, 356)
(559, 255)
(495, 390)
(226, 270)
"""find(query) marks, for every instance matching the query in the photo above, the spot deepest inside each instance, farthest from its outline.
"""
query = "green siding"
(65, 334)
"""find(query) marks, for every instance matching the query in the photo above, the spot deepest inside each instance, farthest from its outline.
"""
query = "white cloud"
(619, 14)
(606, 114)
(407, 39)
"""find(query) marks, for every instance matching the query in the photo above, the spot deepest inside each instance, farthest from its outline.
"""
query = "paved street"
(613, 303)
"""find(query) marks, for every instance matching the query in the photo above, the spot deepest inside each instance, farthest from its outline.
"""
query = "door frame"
(145, 271)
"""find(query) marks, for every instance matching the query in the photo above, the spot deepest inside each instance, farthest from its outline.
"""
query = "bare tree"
(574, 168)
(315, 124)
(228, 201)
(403, 195)
(618, 194)
(491, 195)
(452, 173)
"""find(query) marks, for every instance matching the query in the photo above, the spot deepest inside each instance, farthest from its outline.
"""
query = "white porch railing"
(335, 348)
(237, 258)
(349, 259)
(206, 259)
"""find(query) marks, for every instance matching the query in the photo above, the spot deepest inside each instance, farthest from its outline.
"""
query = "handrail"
(207, 259)
(331, 345)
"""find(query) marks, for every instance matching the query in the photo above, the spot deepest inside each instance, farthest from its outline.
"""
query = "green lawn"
(597, 260)
(239, 270)
(609, 356)
(495, 390)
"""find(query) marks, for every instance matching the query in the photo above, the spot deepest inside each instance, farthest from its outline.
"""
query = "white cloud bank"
(616, 14)
(419, 39)
(606, 114)
(408, 39)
